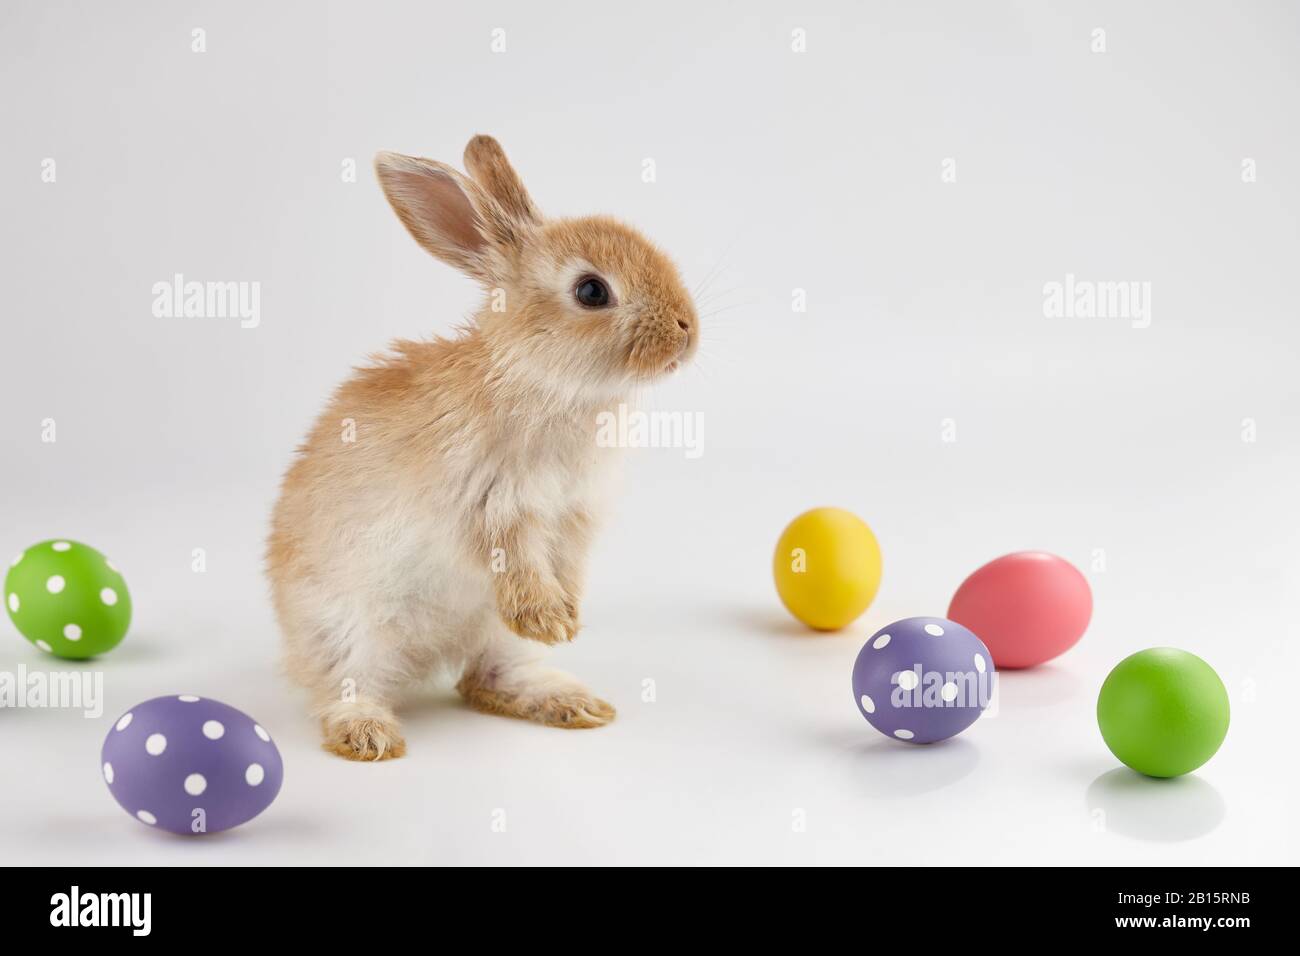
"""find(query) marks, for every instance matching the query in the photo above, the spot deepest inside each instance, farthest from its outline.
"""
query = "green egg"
(1163, 712)
(67, 599)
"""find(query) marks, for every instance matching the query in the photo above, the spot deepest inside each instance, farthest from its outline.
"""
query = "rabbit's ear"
(486, 161)
(449, 215)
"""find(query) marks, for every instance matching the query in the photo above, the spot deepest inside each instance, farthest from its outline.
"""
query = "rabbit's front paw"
(551, 619)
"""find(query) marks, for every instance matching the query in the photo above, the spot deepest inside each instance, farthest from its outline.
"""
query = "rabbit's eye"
(592, 293)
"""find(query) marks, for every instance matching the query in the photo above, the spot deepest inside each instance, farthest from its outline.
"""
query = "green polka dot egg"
(67, 599)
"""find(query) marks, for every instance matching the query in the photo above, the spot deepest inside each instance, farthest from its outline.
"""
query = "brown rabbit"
(440, 511)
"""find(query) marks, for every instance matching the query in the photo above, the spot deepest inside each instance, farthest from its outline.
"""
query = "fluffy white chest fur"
(423, 559)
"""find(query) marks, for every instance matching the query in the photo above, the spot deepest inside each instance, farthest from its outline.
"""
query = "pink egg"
(1027, 607)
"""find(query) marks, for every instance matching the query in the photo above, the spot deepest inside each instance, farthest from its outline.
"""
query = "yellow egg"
(827, 568)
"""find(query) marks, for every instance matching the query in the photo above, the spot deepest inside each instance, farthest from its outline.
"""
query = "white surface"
(817, 171)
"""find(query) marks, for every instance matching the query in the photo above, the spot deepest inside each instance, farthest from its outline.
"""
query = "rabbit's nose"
(683, 325)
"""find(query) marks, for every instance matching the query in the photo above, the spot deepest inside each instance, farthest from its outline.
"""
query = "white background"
(779, 171)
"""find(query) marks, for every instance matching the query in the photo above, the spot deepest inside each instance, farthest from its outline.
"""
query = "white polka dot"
(257, 729)
(45, 647)
(108, 596)
(60, 546)
(108, 772)
(188, 698)
(213, 730)
(948, 691)
(72, 632)
(868, 704)
(979, 663)
(195, 784)
(146, 817)
(14, 603)
(880, 642)
(254, 774)
(15, 562)
(934, 630)
(908, 679)
(125, 721)
(55, 584)
(155, 744)
(903, 734)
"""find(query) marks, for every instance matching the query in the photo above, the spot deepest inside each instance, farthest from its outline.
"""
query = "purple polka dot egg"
(190, 765)
(923, 679)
